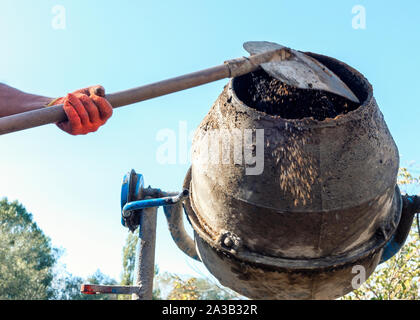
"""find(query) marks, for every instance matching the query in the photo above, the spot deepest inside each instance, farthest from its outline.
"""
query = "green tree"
(129, 259)
(397, 278)
(67, 287)
(184, 289)
(26, 255)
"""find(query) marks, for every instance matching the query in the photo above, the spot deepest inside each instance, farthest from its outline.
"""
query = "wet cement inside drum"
(264, 93)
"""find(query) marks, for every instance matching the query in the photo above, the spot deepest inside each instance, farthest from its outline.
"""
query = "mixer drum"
(325, 202)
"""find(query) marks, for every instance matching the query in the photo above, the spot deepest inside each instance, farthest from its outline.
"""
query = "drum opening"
(260, 91)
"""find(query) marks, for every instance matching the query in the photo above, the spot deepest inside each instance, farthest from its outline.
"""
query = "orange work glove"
(86, 110)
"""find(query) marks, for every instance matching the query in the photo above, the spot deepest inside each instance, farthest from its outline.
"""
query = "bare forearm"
(13, 101)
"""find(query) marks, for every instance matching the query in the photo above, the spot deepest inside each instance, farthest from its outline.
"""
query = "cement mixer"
(324, 203)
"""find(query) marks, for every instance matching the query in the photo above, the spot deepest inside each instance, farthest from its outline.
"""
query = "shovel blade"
(300, 70)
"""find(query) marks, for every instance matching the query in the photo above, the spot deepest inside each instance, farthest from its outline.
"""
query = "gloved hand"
(86, 110)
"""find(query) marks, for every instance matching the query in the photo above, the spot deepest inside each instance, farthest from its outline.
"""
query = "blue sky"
(72, 184)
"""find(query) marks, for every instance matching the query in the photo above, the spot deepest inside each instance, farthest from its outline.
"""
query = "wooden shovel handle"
(229, 69)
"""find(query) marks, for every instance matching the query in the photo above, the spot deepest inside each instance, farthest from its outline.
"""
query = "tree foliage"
(26, 255)
(28, 262)
(129, 259)
(184, 290)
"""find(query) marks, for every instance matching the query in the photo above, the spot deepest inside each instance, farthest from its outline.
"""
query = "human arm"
(86, 109)
(13, 101)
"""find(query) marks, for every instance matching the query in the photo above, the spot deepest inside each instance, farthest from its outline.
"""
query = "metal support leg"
(146, 255)
(139, 209)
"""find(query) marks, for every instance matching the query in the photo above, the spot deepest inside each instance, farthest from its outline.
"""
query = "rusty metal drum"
(324, 202)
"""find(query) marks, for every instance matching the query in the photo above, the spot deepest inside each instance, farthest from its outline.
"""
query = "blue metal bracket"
(150, 203)
(135, 198)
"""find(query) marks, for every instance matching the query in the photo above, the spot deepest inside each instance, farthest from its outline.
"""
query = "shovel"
(289, 66)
